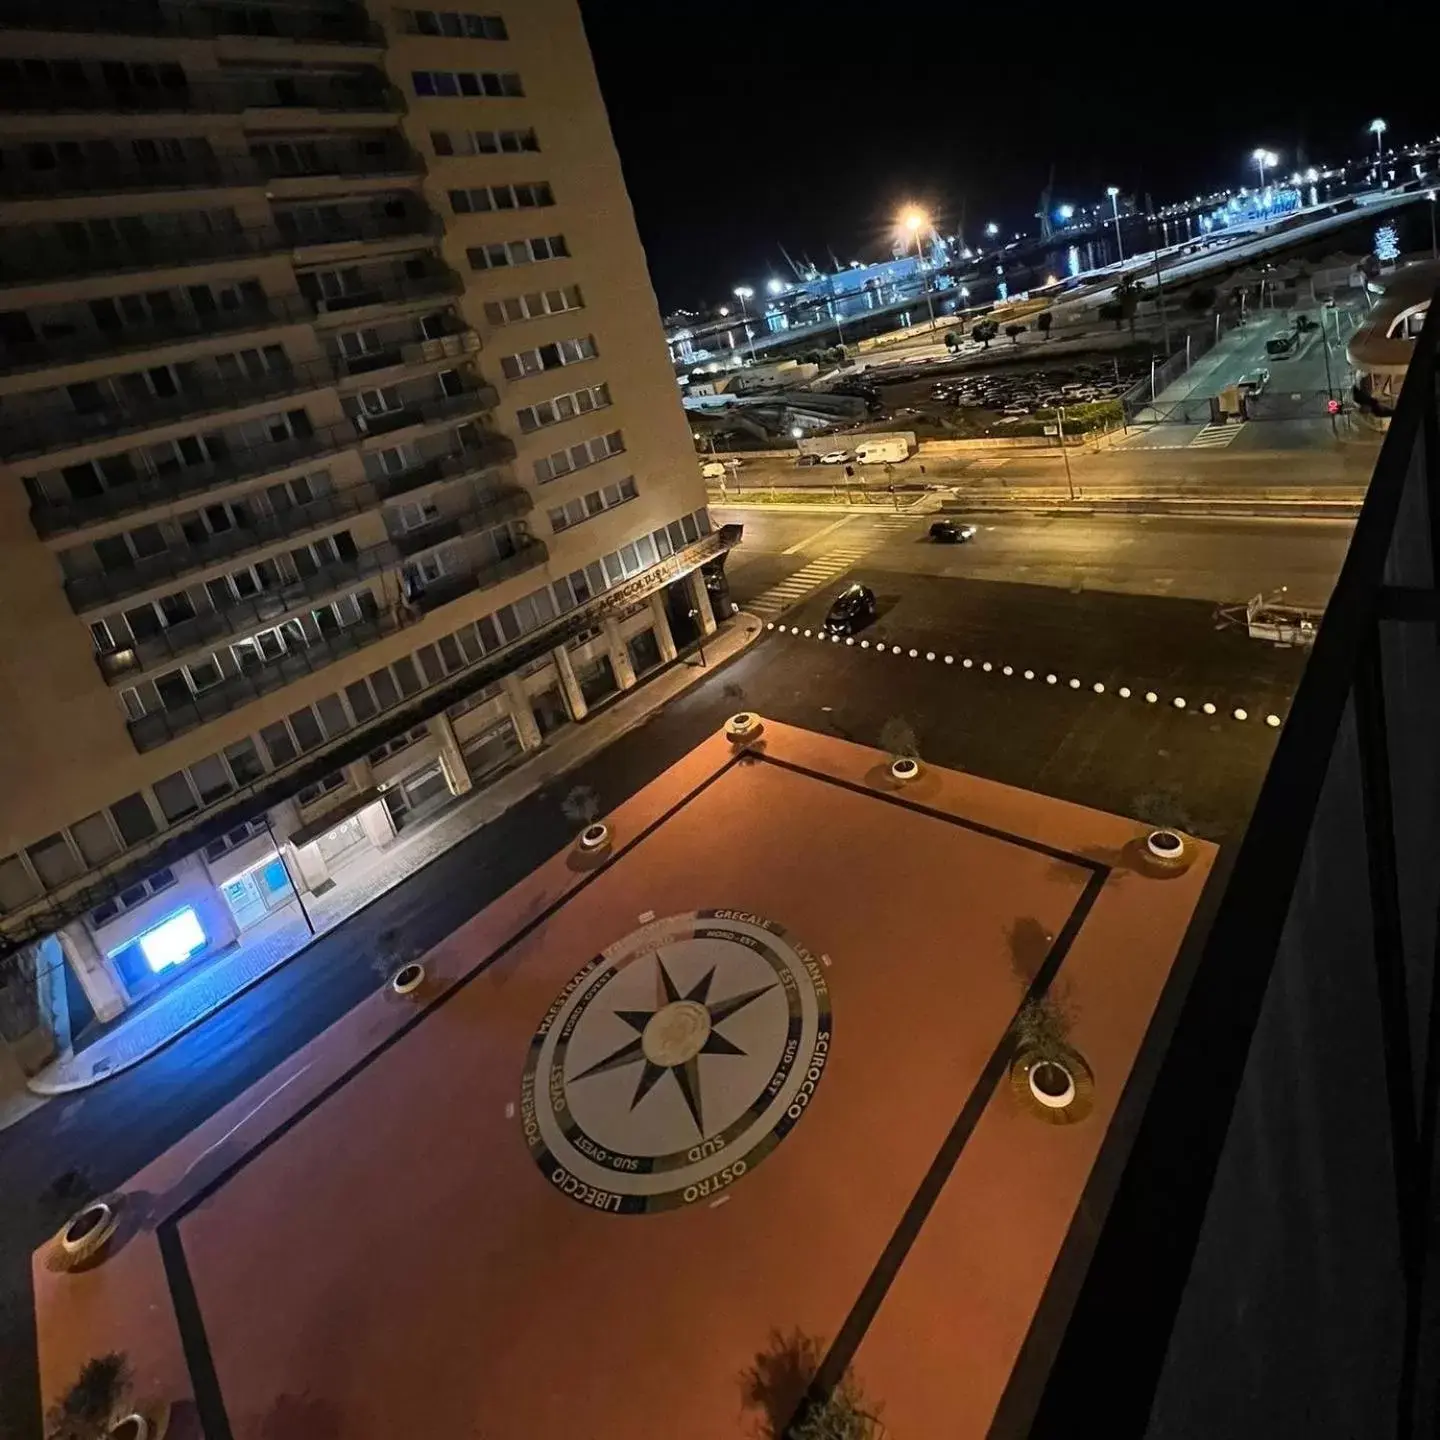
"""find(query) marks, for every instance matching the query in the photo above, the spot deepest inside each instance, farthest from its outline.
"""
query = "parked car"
(853, 608)
(834, 457)
(951, 532)
(1255, 382)
(1281, 345)
(807, 460)
(712, 470)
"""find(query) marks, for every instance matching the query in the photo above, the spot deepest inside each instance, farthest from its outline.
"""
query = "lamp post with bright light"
(1262, 158)
(742, 294)
(1378, 128)
(916, 221)
(1114, 194)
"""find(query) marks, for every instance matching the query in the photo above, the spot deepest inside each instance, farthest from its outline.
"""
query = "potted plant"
(897, 739)
(94, 1408)
(1051, 1067)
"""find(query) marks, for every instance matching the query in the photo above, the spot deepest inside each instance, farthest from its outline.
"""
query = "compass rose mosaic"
(675, 1061)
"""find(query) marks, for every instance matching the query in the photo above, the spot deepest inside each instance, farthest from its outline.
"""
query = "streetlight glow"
(1066, 212)
(1113, 192)
(916, 221)
(1262, 158)
(775, 287)
(992, 228)
(1378, 128)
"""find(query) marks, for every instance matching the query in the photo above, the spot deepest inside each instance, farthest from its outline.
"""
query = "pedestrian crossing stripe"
(790, 591)
(1214, 436)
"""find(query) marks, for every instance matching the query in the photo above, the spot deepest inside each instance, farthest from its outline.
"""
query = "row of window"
(98, 838)
(459, 24)
(563, 407)
(586, 507)
(517, 252)
(483, 142)
(577, 457)
(481, 198)
(548, 357)
(489, 83)
(72, 76)
(534, 305)
(93, 154)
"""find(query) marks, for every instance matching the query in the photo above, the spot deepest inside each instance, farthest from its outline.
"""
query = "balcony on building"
(420, 401)
(54, 170)
(127, 491)
(473, 574)
(477, 451)
(73, 249)
(379, 285)
(307, 650)
(409, 340)
(332, 23)
(359, 89)
(366, 155)
(199, 390)
(471, 509)
(381, 218)
(75, 332)
(237, 617)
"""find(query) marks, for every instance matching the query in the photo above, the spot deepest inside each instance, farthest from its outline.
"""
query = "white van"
(712, 470)
(877, 452)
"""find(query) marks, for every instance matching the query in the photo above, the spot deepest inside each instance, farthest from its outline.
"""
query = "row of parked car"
(1017, 393)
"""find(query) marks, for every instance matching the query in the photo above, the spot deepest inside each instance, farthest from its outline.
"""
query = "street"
(1221, 560)
(1103, 603)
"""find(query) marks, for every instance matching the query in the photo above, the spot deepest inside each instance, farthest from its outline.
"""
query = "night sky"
(745, 125)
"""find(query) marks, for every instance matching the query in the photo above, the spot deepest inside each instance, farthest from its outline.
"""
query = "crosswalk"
(1214, 436)
(779, 598)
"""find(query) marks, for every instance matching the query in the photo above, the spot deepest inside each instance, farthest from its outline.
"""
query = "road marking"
(1123, 692)
(780, 597)
(1214, 436)
(830, 529)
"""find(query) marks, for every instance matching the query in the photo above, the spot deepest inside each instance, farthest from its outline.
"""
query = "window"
(534, 305)
(175, 796)
(323, 786)
(332, 715)
(94, 838)
(17, 886)
(459, 23)
(577, 457)
(53, 861)
(211, 779)
(362, 703)
(563, 407)
(548, 357)
(133, 819)
(278, 743)
(484, 142)
(382, 683)
(244, 761)
(534, 196)
(573, 512)
(488, 83)
(517, 252)
(307, 729)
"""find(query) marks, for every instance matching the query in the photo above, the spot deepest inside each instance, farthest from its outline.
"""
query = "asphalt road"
(1154, 761)
(1220, 560)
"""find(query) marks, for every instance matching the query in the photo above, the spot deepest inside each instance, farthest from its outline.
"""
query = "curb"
(752, 628)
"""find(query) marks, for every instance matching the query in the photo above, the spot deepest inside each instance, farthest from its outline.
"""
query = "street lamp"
(1430, 196)
(916, 221)
(742, 294)
(1114, 194)
(992, 229)
(1378, 128)
(1066, 212)
(1262, 158)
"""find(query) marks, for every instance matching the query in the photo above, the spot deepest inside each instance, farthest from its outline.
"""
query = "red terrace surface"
(375, 1251)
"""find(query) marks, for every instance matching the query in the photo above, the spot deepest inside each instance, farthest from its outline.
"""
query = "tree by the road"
(1043, 322)
(985, 331)
(1014, 331)
(954, 337)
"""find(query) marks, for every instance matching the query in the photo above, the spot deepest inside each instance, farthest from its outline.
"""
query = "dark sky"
(744, 125)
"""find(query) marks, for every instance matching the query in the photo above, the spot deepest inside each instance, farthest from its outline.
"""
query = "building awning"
(336, 815)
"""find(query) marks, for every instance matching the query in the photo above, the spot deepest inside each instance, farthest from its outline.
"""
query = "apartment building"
(342, 458)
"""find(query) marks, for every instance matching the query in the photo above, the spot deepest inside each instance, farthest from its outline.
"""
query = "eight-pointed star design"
(670, 1002)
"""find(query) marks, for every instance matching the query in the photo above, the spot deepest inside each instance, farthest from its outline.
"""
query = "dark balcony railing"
(1271, 1243)
(395, 160)
(414, 352)
(105, 177)
(473, 460)
(182, 325)
(28, 260)
(244, 616)
(393, 291)
(356, 229)
(486, 510)
(339, 25)
(491, 572)
(53, 516)
(255, 681)
(433, 411)
(121, 415)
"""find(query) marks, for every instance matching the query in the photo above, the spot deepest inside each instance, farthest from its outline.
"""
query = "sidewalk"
(284, 934)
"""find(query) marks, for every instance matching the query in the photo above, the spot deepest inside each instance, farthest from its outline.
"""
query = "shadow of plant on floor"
(776, 1386)
(1029, 943)
(298, 1417)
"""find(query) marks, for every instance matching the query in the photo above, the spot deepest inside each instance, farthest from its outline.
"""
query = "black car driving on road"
(951, 532)
(853, 609)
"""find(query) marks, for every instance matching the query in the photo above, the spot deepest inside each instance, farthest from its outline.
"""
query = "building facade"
(341, 461)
